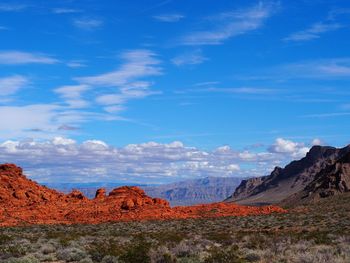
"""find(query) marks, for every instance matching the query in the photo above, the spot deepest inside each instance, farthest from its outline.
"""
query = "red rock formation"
(23, 201)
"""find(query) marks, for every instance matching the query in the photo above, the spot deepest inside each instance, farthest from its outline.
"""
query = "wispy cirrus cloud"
(242, 90)
(322, 68)
(326, 115)
(239, 90)
(330, 68)
(13, 57)
(76, 64)
(88, 23)
(128, 79)
(189, 58)
(232, 24)
(169, 18)
(313, 32)
(9, 7)
(62, 10)
(73, 95)
(77, 103)
(12, 84)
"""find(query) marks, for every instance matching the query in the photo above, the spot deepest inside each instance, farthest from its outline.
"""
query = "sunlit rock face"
(24, 202)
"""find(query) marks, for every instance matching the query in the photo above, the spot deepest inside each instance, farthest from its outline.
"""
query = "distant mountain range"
(197, 191)
(323, 172)
(188, 192)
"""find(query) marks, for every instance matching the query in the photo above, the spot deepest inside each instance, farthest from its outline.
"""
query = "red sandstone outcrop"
(23, 201)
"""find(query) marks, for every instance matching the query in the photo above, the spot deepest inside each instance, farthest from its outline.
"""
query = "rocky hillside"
(23, 202)
(198, 191)
(324, 171)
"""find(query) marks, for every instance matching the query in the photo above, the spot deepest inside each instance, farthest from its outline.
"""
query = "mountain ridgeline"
(197, 191)
(323, 172)
(187, 192)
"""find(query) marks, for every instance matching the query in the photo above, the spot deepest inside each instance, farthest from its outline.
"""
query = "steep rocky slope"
(322, 172)
(23, 201)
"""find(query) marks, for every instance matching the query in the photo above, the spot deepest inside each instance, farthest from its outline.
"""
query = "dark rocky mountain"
(324, 171)
(197, 191)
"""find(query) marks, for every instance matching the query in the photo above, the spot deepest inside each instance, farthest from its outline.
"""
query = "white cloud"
(138, 64)
(73, 95)
(313, 32)
(7, 7)
(189, 58)
(19, 57)
(10, 85)
(317, 141)
(331, 68)
(61, 159)
(127, 81)
(231, 24)
(111, 92)
(294, 149)
(88, 23)
(76, 64)
(23, 120)
(170, 18)
(65, 10)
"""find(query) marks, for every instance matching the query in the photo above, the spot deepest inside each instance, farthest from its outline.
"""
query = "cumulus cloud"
(317, 141)
(64, 159)
(291, 148)
(13, 57)
(231, 24)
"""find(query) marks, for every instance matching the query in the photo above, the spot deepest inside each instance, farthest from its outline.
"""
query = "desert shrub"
(99, 250)
(47, 249)
(44, 258)
(224, 256)
(190, 248)
(109, 259)
(253, 256)
(220, 237)
(4, 239)
(26, 259)
(12, 250)
(64, 237)
(137, 253)
(161, 255)
(71, 254)
(168, 236)
(86, 260)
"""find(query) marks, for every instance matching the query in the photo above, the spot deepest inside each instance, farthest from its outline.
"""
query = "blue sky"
(157, 91)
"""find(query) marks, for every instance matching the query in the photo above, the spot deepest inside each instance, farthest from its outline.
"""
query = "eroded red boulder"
(23, 201)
